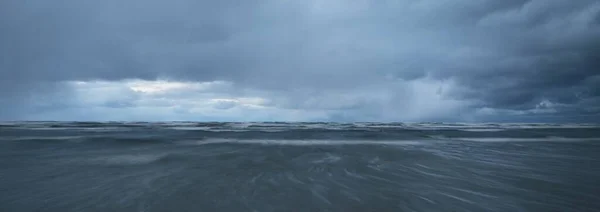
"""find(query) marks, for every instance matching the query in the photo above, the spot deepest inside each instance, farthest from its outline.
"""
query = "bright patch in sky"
(173, 100)
(161, 86)
(223, 101)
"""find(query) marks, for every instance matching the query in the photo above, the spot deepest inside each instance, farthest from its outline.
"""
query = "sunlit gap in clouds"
(393, 99)
(168, 98)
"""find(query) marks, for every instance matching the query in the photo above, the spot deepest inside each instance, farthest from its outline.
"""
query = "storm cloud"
(315, 60)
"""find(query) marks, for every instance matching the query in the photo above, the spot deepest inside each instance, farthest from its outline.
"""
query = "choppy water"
(59, 166)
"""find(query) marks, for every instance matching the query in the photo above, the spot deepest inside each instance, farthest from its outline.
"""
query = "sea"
(279, 166)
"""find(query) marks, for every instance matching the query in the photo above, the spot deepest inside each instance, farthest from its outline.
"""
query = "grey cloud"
(505, 55)
(224, 105)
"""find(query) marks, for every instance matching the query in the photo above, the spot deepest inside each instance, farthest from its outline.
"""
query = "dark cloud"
(359, 60)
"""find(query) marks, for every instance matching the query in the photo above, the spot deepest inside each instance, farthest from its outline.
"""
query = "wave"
(483, 130)
(299, 140)
(544, 139)
(282, 133)
(285, 125)
(305, 142)
(126, 159)
(42, 138)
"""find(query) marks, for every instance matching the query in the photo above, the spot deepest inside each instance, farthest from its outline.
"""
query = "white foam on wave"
(33, 138)
(499, 126)
(65, 128)
(104, 129)
(136, 159)
(305, 142)
(483, 130)
(189, 128)
(329, 158)
(241, 125)
(46, 128)
(546, 139)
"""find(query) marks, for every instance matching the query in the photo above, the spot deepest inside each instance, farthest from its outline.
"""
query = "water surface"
(186, 166)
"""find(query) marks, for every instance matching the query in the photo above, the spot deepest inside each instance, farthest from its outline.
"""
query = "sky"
(310, 60)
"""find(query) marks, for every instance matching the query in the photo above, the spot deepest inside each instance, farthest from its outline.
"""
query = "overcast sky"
(304, 60)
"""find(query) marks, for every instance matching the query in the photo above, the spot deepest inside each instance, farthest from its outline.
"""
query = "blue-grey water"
(182, 166)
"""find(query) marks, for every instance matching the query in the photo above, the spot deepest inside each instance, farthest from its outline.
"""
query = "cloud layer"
(336, 60)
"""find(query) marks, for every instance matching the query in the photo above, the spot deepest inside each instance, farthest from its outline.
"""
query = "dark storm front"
(60, 166)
